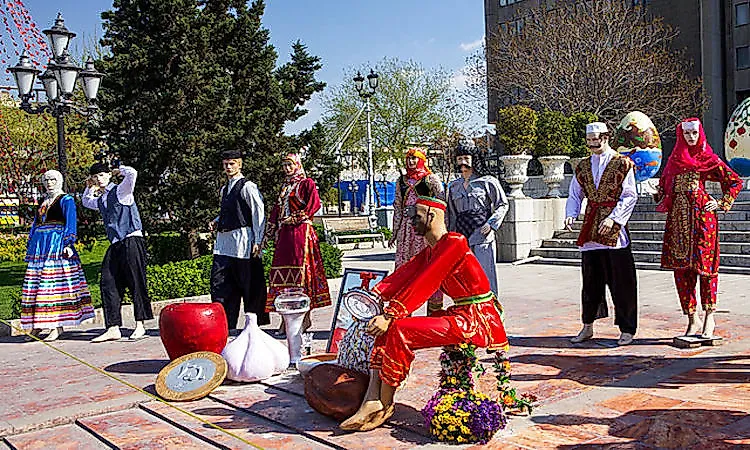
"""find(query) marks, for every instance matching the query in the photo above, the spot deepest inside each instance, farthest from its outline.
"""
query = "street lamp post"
(366, 93)
(59, 82)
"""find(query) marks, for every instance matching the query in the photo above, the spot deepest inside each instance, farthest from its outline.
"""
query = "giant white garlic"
(254, 355)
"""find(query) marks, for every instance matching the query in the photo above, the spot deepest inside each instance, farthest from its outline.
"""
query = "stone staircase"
(647, 232)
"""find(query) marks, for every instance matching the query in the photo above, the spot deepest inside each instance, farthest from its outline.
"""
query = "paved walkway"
(595, 395)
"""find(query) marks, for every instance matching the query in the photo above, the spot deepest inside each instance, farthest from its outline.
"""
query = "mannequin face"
(288, 167)
(102, 179)
(232, 167)
(596, 143)
(691, 136)
(411, 162)
(422, 219)
(51, 183)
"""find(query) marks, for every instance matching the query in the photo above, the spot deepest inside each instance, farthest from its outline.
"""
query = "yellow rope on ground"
(132, 386)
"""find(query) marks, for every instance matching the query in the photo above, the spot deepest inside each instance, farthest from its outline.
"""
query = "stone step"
(650, 207)
(744, 196)
(658, 225)
(638, 265)
(730, 216)
(727, 247)
(725, 236)
(736, 260)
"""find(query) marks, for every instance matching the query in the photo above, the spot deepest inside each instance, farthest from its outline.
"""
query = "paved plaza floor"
(595, 395)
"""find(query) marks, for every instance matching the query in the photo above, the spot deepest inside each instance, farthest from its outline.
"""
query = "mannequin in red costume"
(447, 263)
(691, 238)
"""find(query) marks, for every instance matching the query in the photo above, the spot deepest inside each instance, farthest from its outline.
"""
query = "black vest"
(421, 188)
(54, 213)
(235, 212)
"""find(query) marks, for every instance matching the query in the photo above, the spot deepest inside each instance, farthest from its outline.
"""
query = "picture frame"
(342, 319)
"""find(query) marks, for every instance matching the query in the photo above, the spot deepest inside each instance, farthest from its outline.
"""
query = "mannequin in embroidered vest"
(237, 270)
(297, 261)
(418, 181)
(691, 236)
(124, 264)
(476, 207)
(55, 293)
(447, 263)
(607, 181)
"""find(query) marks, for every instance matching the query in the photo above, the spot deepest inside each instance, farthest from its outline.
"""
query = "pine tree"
(186, 80)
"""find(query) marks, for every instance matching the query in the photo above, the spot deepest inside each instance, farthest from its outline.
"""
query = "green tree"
(187, 79)
(553, 134)
(411, 105)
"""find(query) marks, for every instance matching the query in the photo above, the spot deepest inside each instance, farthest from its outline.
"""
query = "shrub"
(173, 246)
(179, 279)
(387, 232)
(516, 129)
(553, 134)
(13, 247)
(578, 122)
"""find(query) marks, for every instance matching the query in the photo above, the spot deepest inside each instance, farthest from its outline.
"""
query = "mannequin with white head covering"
(55, 293)
(607, 181)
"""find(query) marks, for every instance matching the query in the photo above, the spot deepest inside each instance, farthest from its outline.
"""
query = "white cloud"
(467, 47)
(458, 80)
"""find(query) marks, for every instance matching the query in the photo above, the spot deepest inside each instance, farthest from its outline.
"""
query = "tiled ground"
(645, 396)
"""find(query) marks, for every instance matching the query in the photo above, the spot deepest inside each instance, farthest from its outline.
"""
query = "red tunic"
(691, 239)
(475, 318)
(297, 261)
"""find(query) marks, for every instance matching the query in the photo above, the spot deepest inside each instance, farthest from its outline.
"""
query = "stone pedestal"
(528, 222)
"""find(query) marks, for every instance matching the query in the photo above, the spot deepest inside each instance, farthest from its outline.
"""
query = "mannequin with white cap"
(691, 239)
(607, 181)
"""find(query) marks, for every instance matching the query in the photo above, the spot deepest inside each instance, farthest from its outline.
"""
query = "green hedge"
(179, 279)
(12, 247)
(516, 129)
(553, 134)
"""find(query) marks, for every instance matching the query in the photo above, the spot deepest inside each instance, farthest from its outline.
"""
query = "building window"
(508, 2)
(743, 57)
(742, 14)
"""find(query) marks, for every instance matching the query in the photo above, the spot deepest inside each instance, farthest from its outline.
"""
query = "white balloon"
(254, 355)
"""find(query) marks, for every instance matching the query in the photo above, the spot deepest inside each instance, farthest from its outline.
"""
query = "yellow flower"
(460, 439)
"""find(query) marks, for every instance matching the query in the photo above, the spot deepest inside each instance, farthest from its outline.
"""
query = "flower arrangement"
(510, 400)
(457, 413)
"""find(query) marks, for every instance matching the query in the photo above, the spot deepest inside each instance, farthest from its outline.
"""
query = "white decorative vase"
(554, 173)
(293, 304)
(515, 173)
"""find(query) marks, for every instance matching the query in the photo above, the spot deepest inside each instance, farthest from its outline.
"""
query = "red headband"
(432, 202)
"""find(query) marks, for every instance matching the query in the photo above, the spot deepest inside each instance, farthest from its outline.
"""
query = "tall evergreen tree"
(187, 79)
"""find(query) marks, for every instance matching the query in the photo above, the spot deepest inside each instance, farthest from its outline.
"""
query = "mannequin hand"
(378, 325)
(569, 223)
(486, 229)
(115, 172)
(67, 252)
(256, 250)
(711, 205)
(212, 225)
(606, 226)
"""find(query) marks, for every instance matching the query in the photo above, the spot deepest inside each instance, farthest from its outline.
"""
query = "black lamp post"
(59, 82)
(366, 92)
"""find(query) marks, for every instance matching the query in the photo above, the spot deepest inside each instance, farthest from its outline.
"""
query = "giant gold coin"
(191, 376)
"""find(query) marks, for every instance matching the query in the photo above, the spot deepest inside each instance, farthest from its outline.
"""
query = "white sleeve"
(89, 200)
(252, 196)
(575, 197)
(127, 186)
(629, 197)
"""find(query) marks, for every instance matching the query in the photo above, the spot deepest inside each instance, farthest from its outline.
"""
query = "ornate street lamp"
(366, 92)
(59, 83)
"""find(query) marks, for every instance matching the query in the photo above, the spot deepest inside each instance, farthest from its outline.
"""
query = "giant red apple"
(193, 327)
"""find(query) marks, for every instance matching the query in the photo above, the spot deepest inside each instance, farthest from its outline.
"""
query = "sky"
(343, 33)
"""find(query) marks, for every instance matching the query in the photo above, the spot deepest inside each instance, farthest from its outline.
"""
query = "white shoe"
(112, 334)
(139, 332)
(587, 332)
(693, 325)
(625, 339)
(709, 324)
(54, 334)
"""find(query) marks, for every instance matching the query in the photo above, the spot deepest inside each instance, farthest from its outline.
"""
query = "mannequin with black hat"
(124, 264)
(237, 271)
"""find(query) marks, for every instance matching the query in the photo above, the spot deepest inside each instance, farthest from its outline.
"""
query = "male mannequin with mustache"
(607, 181)
(447, 264)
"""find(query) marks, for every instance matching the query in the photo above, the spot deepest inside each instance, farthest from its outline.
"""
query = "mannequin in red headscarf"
(297, 261)
(418, 181)
(691, 239)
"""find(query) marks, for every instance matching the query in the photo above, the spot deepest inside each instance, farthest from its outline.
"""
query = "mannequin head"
(470, 159)
(231, 162)
(291, 164)
(464, 164)
(428, 216)
(100, 174)
(691, 132)
(597, 137)
(53, 182)
(411, 162)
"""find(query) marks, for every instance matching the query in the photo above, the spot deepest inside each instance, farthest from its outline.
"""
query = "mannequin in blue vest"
(124, 264)
(237, 270)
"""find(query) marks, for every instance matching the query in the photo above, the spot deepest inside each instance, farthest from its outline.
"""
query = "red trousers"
(393, 352)
(685, 281)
